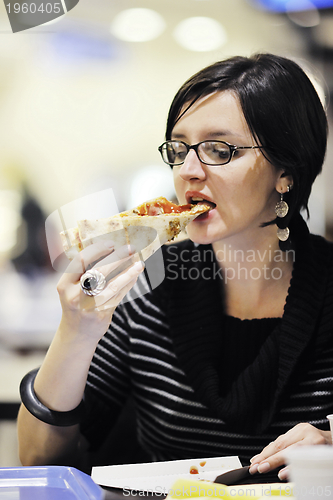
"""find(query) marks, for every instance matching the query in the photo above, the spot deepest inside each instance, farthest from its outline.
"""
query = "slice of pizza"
(146, 227)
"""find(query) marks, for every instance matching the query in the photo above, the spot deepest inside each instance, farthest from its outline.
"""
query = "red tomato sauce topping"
(161, 206)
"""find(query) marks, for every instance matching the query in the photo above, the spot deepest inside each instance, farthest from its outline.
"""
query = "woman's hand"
(272, 456)
(61, 380)
(92, 315)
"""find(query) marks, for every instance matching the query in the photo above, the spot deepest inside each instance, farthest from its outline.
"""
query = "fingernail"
(264, 467)
(283, 474)
(253, 469)
(138, 266)
(253, 458)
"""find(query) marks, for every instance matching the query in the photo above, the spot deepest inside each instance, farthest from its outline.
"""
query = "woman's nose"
(192, 168)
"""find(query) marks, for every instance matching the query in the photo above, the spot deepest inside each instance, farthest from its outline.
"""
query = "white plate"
(158, 477)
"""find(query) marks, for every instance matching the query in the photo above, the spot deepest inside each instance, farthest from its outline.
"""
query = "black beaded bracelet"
(40, 411)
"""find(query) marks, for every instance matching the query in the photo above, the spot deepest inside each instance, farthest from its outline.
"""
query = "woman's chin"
(199, 237)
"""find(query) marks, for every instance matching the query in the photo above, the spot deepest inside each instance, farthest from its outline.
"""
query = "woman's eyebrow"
(178, 136)
(210, 135)
(223, 133)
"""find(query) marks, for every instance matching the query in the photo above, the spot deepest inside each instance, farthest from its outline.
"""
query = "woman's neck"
(256, 275)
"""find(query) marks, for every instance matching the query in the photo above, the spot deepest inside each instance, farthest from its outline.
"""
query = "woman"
(234, 349)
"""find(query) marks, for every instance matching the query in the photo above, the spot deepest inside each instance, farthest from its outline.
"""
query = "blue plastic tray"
(47, 483)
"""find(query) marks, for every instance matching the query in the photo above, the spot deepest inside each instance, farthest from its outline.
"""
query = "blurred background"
(83, 106)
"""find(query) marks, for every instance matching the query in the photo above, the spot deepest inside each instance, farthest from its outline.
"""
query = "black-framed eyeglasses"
(213, 153)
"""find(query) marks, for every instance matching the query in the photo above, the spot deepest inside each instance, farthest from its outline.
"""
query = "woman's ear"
(284, 183)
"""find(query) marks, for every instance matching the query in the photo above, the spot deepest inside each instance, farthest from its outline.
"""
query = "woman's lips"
(197, 198)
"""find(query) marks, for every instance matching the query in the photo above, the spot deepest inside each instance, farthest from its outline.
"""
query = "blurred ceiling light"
(200, 34)
(305, 17)
(137, 25)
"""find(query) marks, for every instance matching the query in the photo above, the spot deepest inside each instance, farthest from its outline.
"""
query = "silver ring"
(92, 282)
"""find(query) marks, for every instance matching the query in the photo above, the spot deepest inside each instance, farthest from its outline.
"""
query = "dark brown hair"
(281, 107)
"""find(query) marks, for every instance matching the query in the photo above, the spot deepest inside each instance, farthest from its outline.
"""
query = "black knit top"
(200, 390)
(239, 345)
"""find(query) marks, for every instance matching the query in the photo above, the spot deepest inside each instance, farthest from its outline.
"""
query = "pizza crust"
(146, 233)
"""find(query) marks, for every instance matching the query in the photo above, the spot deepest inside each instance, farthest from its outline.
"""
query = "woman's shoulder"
(321, 247)
(316, 259)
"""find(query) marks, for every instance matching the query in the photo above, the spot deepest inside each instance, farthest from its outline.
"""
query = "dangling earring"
(282, 207)
(281, 210)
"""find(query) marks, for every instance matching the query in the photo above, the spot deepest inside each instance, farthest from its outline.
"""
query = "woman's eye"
(221, 152)
(180, 155)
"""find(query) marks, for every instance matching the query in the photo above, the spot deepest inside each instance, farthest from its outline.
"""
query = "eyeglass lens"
(211, 152)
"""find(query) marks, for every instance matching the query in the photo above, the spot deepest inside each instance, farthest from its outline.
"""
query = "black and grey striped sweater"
(166, 348)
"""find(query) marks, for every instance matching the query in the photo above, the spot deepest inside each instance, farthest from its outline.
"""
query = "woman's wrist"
(42, 412)
(78, 332)
(62, 378)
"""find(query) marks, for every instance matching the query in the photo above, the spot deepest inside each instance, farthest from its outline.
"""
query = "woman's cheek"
(179, 187)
